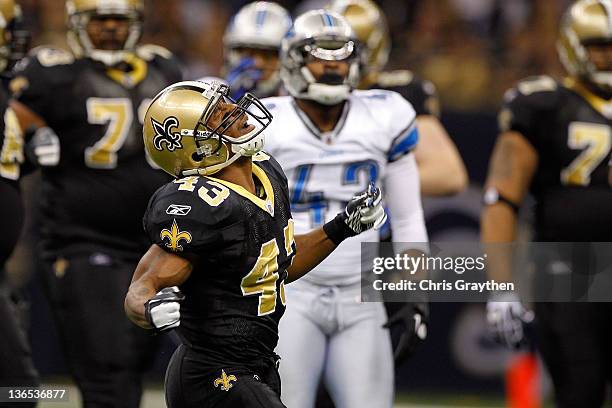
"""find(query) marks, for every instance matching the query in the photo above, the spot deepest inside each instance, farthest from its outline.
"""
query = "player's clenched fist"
(363, 212)
(163, 311)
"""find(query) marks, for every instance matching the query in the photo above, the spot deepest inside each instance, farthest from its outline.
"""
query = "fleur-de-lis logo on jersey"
(225, 381)
(175, 236)
(167, 133)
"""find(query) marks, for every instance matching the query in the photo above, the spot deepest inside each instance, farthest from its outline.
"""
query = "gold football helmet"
(370, 26)
(186, 128)
(586, 22)
(13, 38)
(81, 12)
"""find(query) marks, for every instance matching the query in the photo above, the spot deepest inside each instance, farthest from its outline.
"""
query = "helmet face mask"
(239, 113)
(195, 128)
(319, 36)
(257, 28)
(82, 14)
(585, 34)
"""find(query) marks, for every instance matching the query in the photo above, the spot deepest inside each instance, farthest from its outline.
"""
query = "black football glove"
(363, 212)
(163, 311)
(412, 319)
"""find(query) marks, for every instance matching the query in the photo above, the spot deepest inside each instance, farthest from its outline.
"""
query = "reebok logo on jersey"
(164, 134)
(177, 209)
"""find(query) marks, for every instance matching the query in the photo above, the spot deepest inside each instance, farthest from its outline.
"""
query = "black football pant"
(16, 367)
(575, 340)
(191, 383)
(106, 353)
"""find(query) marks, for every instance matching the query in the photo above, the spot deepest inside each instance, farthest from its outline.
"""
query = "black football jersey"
(421, 94)
(570, 129)
(11, 156)
(234, 297)
(11, 142)
(101, 187)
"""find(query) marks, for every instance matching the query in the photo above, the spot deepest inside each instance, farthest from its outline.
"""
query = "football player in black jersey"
(555, 143)
(83, 111)
(16, 367)
(223, 246)
(441, 169)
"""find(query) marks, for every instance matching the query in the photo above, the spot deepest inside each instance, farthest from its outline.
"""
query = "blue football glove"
(243, 78)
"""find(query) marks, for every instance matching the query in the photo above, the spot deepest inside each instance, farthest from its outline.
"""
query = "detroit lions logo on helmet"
(164, 134)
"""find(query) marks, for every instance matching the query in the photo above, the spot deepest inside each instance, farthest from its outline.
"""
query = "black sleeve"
(180, 222)
(423, 97)
(11, 142)
(39, 79)
(526, 106)
(421, 94)
(172, 69)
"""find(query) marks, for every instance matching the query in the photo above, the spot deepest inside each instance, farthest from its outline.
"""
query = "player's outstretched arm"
(441, 168)
(314, 247)
(363, 212)
(156, 270)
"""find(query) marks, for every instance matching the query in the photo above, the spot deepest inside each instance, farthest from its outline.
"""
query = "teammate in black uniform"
(435, 146)
(96, 183)
(556, 143)
(227, 241)
(16, 367)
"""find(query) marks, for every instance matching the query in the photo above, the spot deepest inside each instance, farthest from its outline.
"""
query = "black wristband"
(493, 196)
(337, 230)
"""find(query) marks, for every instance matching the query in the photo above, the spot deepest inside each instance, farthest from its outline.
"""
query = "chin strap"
(246, 149)
(323, 93)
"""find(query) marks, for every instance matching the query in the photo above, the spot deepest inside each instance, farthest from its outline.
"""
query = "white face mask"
(328, 94)
(603, 79)
(251, 147)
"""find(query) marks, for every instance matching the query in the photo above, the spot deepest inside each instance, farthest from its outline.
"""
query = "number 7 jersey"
(234, 297)
(569, 127)
(99, 191)
(325, 170)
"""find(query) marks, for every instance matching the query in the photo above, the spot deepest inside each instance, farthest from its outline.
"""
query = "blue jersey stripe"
(404, 144)
(302, 176)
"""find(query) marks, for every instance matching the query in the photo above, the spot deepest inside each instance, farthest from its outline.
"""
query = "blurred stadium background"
(472, 50)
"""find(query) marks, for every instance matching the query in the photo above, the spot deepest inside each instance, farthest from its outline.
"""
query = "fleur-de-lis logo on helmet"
(164, 134)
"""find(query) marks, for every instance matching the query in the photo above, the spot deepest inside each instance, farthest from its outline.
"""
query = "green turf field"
(154, 398)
